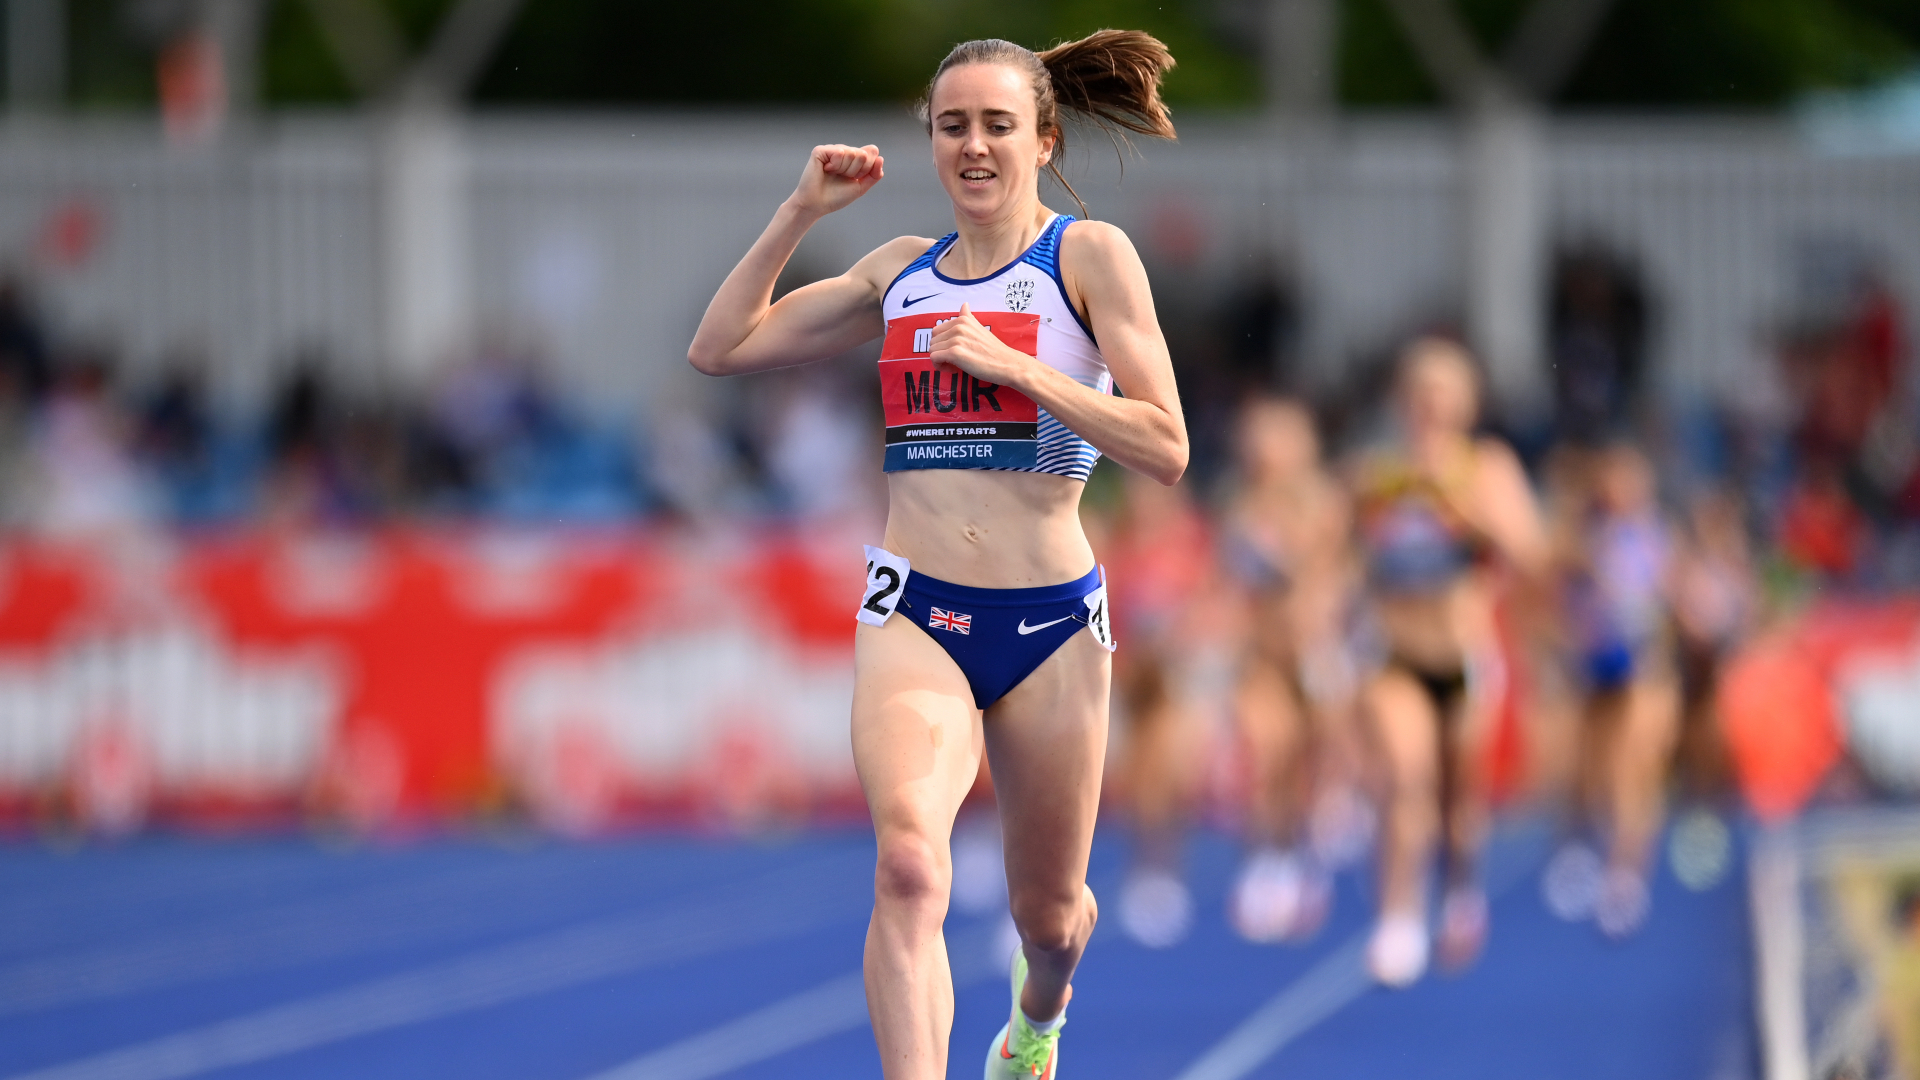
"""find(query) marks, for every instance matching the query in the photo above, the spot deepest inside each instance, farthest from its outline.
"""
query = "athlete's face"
(1626, 481)
(1437, 390)
(1277, 440)
(986, 140)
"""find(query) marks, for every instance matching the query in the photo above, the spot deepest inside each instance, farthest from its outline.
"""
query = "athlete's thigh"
(1047, 741)
(916, 734)
(1405, 727)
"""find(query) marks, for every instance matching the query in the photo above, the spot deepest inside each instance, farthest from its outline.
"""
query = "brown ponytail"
(1110, 79)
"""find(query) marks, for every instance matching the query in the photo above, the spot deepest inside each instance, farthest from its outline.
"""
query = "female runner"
(1001, 344)
(1433, 513)
(1285, 540)
(1617, 565)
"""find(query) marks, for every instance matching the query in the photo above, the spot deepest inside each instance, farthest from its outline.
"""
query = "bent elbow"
(705, 362)
(1174, 467)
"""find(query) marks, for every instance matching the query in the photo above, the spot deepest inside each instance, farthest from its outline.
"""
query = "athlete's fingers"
(835, 159)
(855, 163)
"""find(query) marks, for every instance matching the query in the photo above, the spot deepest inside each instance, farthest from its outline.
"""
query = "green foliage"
(623, 52)
(1662, 52)
(108, 62)
(817, 51)
(296, 65)
(1740, 52)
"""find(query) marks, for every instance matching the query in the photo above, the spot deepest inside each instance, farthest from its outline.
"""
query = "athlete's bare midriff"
(988, 530)
(1437, 630)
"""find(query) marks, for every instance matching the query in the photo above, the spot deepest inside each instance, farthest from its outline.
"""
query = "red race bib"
(939, 417)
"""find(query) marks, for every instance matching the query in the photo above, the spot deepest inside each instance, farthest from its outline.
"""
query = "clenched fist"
(836, 175)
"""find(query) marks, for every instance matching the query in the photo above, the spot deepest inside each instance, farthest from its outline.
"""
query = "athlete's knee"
(911, 871)
(1413, 776)
(1053, 922)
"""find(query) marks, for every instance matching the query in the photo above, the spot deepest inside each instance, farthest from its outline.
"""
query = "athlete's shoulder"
(1098, 258)
(1492, 455)
(884, 263)
(1095, 239)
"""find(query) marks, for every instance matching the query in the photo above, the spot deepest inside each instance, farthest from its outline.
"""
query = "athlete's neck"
(984, 246)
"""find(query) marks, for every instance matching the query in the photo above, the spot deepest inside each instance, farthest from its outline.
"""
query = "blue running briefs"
(998, 637)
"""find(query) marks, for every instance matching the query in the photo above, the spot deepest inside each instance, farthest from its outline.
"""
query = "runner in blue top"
(984, 626)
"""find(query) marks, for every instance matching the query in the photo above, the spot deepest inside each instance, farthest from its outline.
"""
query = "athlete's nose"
(976, 146)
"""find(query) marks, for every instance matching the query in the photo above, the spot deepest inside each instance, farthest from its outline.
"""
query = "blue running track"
(684, 958)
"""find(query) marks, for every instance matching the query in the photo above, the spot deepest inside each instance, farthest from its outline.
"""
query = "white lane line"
(1331, 985)
(34, 916)
(1324, 990)
(746, 914)
(807, 1017)
(827, 1009)
(367, 920)
(1773, 886)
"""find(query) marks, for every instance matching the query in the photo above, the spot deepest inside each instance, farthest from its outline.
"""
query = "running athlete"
(1617, 579)
(1164, 597)
(984, 625)
(1434, 513)
(1285, 541)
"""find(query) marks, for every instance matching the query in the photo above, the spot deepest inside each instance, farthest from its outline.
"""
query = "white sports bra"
(939, 417)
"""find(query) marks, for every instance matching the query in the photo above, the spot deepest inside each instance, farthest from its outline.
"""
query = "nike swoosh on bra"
(909, 301)
(1025, 629)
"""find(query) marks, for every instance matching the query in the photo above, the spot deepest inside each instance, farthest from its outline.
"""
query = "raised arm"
(1503, 509)
(744, 331)
(1143, 430)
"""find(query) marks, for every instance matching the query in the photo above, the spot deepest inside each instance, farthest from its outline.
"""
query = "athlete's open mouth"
(977, 176)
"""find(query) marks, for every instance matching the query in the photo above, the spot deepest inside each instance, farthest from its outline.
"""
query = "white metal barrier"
(603, 237)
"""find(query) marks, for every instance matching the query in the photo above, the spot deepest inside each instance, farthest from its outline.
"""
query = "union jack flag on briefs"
(951, 620)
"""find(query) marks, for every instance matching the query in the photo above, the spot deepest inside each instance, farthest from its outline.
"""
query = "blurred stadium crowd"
(1824, 480)
(84, 451)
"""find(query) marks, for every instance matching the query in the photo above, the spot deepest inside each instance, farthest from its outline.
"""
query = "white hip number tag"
(886, 579)
(1099, 618)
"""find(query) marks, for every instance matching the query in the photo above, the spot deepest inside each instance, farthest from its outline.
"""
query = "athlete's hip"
(988, 554)
(995, 636)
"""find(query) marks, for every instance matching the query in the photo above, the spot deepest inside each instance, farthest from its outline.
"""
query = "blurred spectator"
(1597, 328)
(1262, 326)
(524, 455)
(821, 452)
(1856, 480)
(23, 343)
(694, 468)
(85, 484)
(203, 473)
(302, 482)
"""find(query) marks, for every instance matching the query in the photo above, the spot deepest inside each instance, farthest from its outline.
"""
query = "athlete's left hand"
(966, 343)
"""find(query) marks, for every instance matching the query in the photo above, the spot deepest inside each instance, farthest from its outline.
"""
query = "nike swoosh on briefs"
(909, 301)
(1025, 629)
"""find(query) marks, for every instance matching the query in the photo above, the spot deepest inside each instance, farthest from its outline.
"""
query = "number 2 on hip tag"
(886, 577)
(1099, 620)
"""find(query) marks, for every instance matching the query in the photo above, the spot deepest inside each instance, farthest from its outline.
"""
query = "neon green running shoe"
(1019, 1052)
